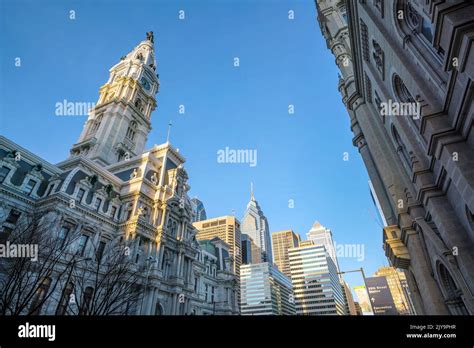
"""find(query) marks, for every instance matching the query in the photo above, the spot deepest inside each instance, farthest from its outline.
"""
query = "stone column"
(430, 294)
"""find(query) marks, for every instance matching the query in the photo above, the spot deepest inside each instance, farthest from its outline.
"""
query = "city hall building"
(111, 191)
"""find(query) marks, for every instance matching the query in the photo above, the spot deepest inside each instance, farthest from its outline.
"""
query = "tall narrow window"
(81, 246)
(65, 298)
(364, 39)
(97, 204)
(96, 124)
(80, 194)
(86, 301)
(40, 295)
(132, 128)
(100, 251)
(63, 233)
(368, 88)
(113, 212)
(30, 186)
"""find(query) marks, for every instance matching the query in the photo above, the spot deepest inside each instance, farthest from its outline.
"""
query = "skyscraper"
(398, 287)
(251, 253)
(316, 284)
(282, 241)
(321, 235)
(199, 213)
(227, 228)
(351, 308)
(265, 291)
(363, 300)
(255, 224)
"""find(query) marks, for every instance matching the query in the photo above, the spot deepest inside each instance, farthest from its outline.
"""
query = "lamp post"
(361, 270)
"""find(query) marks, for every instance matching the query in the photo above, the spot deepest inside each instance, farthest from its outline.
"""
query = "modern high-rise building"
(199, 213)
(251, 253)
(282, 241)
(255, 224)
(316, 284)
(358, 309)
(348, 299)
(321, 235)
(406, 72)
(397, 283)
(363, 300)
(265, 291)
(226, 228)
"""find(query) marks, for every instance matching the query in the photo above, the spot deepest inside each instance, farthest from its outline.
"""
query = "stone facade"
(111, 189)
(406, 79)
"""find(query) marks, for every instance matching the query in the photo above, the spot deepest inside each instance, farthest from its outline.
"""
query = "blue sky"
(282, 62)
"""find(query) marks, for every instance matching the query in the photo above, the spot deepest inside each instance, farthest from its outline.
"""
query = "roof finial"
(149, 36)
(169, 130)
(251, 192)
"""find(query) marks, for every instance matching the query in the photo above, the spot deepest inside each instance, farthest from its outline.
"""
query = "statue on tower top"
(149, 36)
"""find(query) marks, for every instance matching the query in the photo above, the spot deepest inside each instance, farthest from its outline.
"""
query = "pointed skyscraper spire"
(252, 197)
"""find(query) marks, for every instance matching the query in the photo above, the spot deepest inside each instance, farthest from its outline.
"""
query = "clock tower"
(118, 125)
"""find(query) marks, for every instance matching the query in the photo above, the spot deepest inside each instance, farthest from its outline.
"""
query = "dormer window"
(30, 186)
(98, 202)
(131, 131)
(140, 56)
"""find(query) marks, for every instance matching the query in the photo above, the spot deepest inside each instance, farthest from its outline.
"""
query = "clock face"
(145, 83)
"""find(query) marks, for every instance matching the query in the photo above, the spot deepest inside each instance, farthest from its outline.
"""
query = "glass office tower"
(315, 281)
(265, 291)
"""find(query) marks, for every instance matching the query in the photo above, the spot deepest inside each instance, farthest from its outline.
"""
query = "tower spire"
(118, 125)
(252, 197)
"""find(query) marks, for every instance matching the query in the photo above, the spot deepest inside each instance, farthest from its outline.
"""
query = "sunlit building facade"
(399, 289)
(405, 77)
(316, 284)
(282, 241)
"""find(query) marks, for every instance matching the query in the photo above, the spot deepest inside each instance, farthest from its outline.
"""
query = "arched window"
(420, 23)
(415, 22)
(403, 95)
(96, 124)
(451, 292)
(131, 131)
(401, 91)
